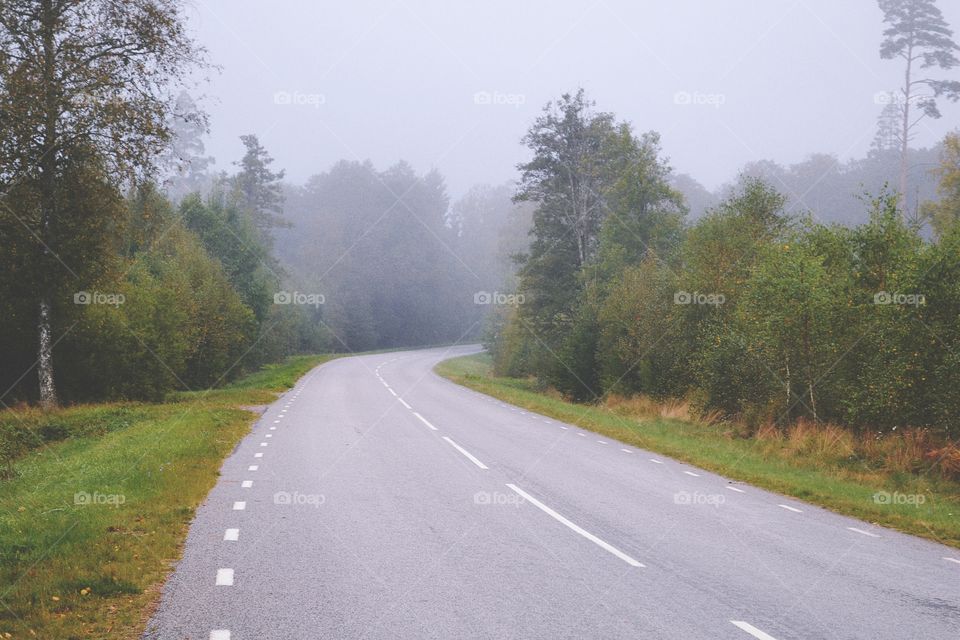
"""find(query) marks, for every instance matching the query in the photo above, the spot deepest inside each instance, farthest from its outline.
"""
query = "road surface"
(378, 500)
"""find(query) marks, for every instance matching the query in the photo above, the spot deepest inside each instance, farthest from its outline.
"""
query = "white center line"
(224, 577)
(752, 630)
(691, 473)
(220, 634)
(466, 453)
(404, 403)
(231, 534)
(735, 489)
(949, 559)
(789, 508)
(240, 505)
(246, 484)
(866, 533)
(424, 421)
(586, 534)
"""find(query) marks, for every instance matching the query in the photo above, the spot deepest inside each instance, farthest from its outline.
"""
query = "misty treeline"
(396, 263)
(749, 312)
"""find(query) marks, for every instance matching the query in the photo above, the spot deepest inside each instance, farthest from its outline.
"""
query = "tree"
(186, 158)
(944, 213)
(259, 187)
(918, 35)
(81, 82)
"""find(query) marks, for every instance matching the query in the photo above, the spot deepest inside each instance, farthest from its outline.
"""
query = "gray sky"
(319, 81)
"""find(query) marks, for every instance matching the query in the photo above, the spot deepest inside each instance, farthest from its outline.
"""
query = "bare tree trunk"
(905, 133)
(48, 391)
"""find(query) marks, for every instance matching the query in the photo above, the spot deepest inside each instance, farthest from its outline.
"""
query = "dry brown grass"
(827, 445)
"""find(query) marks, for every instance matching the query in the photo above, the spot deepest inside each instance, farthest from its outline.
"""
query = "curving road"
(378, 500)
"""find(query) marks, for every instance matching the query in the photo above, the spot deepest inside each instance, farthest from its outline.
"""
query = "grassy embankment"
(875, 481)
(95, 502)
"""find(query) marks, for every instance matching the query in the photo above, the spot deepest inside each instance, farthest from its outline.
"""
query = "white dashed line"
(866, 533)
(220, 634)
(691, 473)
(263, 444)
(948, 559)
(735, 489)
(424, 421)
(601, 442)
(392, 391)
(240, 505)
(231, 534)
(655, 461)
(224, 577)
(258, 455)
(273, 428)
(789, 508)
(269, 435)
(246, 484)
(752, 630)
(564, 428)
(626, 450)
(586, 534)
(583, 435)
(465, 453)
(276, 422)
(404, 403)
(253, 467)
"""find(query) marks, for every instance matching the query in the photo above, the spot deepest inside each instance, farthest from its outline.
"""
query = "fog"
(399, 80)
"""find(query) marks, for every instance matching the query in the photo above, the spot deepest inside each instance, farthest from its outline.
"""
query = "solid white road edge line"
(465, 452)
(424, 421)
(752, 630)
(586, 534)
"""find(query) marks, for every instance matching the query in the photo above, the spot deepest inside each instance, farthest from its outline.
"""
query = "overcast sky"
(454, 84)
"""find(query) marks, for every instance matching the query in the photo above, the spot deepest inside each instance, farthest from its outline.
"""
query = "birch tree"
(81, 81)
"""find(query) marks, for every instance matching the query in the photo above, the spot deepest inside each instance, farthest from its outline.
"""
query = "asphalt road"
(378, 500)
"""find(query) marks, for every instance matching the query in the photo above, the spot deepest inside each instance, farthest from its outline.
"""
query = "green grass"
(92, 518)
(845, 488)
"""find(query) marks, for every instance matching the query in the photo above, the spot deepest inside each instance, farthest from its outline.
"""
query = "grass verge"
(94, 516)
(913, 503)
